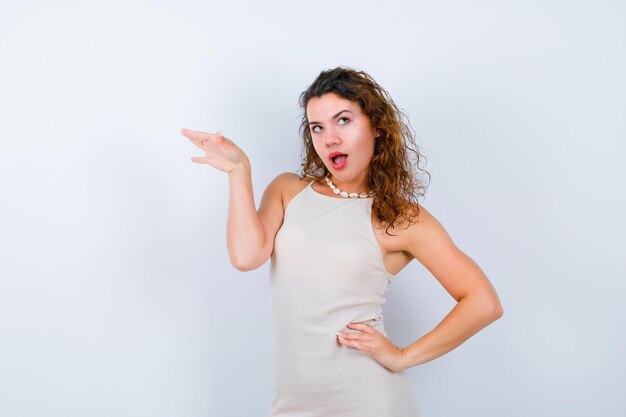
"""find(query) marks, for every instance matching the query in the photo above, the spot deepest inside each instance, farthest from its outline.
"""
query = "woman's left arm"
(477, 305)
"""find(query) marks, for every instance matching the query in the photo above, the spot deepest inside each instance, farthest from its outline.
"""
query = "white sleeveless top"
(327, 271)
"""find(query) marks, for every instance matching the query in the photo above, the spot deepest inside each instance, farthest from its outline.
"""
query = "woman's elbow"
(247, 265)
(497, 310)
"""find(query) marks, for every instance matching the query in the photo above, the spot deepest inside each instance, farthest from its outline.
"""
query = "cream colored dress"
(326, 271)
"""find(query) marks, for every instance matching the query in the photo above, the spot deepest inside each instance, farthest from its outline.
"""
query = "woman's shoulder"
(423, 230)
(290, 180)
(290, 184)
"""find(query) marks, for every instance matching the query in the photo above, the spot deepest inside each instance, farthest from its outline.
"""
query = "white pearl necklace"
(344, 193)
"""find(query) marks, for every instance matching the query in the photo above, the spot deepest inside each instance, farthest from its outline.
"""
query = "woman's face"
(339, 125)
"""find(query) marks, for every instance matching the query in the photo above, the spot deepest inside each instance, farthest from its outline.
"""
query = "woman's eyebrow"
(334, 117)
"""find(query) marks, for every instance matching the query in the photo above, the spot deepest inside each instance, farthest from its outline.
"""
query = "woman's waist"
(301, 330)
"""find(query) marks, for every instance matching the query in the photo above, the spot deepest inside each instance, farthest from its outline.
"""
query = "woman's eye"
(341, 118)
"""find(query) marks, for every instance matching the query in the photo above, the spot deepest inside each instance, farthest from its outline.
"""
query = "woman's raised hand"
(221, 152)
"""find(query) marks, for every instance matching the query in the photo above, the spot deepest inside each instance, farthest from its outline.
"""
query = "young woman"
(327, 232)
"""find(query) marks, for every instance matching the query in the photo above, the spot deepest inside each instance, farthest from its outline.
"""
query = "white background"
(117, 297)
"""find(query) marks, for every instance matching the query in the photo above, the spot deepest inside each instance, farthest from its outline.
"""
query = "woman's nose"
(331, 137)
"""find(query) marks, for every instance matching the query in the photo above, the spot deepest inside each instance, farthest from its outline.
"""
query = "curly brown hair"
(391, 175)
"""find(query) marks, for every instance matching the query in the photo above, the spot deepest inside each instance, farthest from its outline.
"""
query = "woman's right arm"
(250, 234)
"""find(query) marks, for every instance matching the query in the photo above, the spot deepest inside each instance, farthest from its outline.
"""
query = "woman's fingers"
(200, 139)
(364, 327)
(197, 136)
(221, 152)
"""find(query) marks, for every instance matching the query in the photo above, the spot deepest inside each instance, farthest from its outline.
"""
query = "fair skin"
(337, 124)
(427, 240)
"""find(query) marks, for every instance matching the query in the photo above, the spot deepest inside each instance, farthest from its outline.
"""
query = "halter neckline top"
(365, 202)
(326, 271)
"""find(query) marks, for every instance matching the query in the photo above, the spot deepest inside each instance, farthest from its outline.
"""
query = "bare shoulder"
(283, 181)
(288, 184)
(294, 184)
(274, 200)
(290, 181)
(423, 231)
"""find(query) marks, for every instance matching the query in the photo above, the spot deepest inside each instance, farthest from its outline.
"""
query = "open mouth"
(338, 159)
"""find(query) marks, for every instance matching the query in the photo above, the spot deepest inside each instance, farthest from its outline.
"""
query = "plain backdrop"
(117, 296)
